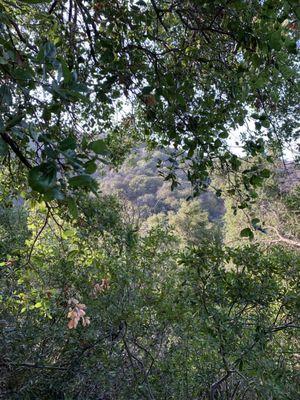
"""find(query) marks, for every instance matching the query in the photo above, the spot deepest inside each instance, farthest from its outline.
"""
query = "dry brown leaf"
(77, 312)
(101, 287)
(86, 321)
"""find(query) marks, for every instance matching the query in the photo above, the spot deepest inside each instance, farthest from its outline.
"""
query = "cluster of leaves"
(77, 313)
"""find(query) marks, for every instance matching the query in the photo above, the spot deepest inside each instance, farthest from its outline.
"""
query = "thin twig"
(37, 236)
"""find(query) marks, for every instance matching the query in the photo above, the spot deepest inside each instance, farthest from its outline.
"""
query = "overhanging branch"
(15, 148)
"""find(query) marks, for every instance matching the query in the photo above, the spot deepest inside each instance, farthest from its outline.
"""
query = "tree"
(191, 71)
(191, 225)
(273, 218)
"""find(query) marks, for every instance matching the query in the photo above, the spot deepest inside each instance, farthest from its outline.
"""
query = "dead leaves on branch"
(101, 287)
(77, 313)
(77, 310)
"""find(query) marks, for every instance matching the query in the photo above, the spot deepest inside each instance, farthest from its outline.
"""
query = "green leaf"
(265, 123)
(3, 147)
(265, 173)
(217, 143)
(181, 100)
(46, 114)
(14, 120)
(147, 90)
(42, 178)
(247, 232)
(275, 41)
(90, 167)
(235, 162)
(3, 61)
(257, 125)
(68, 233)
(5, 95)
(72, 206)
(53, 194)
(291, 46)
(253, 194)
(49, 50)
(22, 74)
(68, 143)
(98, 146)
(66, 72)
(223, 135)
(82, 181)
(255, 180)
(260, 82)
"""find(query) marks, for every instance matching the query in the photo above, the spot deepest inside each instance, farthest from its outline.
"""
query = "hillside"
(139, 182)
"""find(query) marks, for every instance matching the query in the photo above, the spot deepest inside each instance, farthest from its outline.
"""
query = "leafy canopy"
(191, 72)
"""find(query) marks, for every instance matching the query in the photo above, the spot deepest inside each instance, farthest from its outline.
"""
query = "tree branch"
(33, 365)
(15, 148)
(21, 37)
(216, 384)
(282, 239)
(158, 14)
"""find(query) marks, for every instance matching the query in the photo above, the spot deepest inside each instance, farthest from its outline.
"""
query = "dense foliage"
(101, 309)
(116, 281)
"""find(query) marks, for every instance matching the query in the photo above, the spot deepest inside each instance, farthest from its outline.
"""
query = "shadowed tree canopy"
(82, 81)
